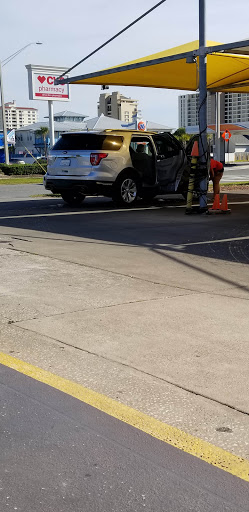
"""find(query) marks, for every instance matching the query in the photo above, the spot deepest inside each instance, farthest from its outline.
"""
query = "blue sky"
(71, 29)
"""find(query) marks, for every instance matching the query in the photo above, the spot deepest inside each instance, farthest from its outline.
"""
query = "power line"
(114, 37)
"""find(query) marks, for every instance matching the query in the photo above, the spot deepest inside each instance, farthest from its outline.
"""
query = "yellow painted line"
(203, 450)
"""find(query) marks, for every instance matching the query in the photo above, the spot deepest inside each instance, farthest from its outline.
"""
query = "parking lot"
(148, 294)
(145, 306)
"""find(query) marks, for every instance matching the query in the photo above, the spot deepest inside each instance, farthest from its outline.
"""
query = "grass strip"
(20, 181)
(46, 195)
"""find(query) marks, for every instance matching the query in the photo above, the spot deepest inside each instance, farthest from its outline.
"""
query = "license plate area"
(66, 162)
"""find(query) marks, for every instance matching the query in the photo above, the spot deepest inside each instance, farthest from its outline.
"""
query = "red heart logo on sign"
(41, 79)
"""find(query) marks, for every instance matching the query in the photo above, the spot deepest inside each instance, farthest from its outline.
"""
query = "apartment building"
(16, 117)
(234, 108)
(117, 106)
(188, 109)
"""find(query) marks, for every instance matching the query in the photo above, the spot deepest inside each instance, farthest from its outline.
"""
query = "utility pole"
(6, 61)
(6, 148)
(203, 146)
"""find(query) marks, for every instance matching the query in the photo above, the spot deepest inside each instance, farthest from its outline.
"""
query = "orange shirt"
(215, 167)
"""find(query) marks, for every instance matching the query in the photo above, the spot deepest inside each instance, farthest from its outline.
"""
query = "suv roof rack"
(124, 130)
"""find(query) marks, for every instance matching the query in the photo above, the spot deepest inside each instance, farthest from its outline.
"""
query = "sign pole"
(51, 122)
(226, 136)
(203, 147)
(6, 148)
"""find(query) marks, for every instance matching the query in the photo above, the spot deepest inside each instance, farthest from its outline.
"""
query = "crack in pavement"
(94, 308)
(194, 290)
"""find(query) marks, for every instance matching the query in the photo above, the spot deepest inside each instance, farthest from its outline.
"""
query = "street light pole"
(6, 148)
(4, 62)
(203, 105)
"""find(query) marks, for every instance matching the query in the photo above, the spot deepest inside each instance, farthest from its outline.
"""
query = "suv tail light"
(95, 158)
(50, 159)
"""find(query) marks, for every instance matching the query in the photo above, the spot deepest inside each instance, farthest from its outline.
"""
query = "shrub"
(22, 169)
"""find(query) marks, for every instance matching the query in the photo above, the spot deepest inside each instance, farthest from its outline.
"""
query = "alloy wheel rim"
(128, 190)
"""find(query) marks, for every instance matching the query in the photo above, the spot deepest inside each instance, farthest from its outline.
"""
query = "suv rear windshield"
(88, 141)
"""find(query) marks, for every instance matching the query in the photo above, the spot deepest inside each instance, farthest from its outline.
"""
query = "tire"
(126, 189)
(73, 198)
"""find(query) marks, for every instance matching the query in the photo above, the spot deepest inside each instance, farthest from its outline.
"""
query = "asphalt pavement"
(236, 173)
(146, 306)
(12, 192)
(59, 454)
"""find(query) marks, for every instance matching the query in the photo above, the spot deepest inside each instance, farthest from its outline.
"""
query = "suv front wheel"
(125, 189)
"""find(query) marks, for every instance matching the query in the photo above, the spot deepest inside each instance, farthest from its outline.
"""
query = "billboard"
(41, 83)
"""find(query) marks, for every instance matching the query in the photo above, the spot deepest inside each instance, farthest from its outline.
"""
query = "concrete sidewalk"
(153, 313)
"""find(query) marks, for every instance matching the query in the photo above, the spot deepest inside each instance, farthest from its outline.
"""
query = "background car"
(14, 161)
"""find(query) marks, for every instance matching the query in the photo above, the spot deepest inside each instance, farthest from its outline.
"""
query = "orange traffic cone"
(224, 206)
(216, 203)
(195, 149)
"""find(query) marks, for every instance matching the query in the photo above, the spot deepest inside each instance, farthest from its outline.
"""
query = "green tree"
(43, 132)
(182, 136)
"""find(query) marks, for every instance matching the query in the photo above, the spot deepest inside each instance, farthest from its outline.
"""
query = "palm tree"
(182, 136)
(42, 132)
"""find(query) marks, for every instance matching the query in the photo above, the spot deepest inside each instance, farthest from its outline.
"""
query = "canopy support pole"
(203, 105)
(217, 131)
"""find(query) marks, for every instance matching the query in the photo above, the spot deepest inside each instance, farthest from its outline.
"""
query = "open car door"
(170, 161)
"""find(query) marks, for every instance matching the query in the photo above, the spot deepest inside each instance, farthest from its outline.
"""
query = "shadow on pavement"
(164, 226)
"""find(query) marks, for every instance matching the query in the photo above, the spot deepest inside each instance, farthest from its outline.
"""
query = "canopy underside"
(226, 72)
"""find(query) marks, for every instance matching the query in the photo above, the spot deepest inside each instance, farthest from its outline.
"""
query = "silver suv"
(121, 164)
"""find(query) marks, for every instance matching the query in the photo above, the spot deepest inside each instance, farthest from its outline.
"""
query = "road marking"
(81, 212)
(181, 246)
(171, 435)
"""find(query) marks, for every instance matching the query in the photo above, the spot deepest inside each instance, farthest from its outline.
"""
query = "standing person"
(216, 173)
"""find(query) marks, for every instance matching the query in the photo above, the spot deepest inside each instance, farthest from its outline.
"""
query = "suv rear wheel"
(73, 198)
(125, 189)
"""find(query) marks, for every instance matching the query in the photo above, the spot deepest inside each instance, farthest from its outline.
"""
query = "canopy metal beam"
(127, 67)
(238, 47)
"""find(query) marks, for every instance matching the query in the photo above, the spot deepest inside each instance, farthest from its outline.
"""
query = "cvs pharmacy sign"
(44, 88)
(41, 83)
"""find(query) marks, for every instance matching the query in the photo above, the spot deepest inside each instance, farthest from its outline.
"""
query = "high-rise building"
(234, 108)
(118, 106)
(16, 117)
(188, 109)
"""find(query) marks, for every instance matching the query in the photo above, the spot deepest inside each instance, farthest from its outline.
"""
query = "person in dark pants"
(216, 173)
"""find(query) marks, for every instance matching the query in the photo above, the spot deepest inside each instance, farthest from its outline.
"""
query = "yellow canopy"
(226, 72)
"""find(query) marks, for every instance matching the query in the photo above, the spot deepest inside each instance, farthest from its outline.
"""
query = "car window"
(165, 146)
(88, 141)
(141, 145)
